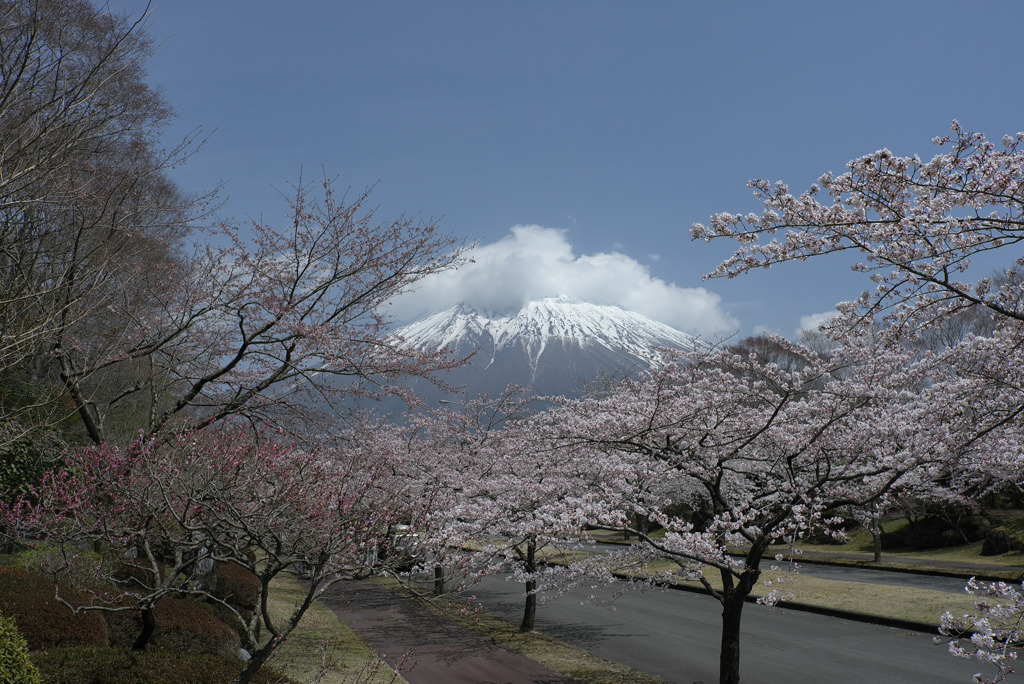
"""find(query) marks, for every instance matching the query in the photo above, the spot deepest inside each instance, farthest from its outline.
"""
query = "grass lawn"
(902, 603)
(882, 600)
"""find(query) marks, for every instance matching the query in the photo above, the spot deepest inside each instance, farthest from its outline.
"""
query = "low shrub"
(118, 666)
(181, 625)
(975, 527)
(76, 567)
(931, 532)
(187, 625)
(1000, 540)
(240, 588)
(41, 618)
(15, 665)
(133, 574)
(123, 627)
(895, 539)
(237, 585)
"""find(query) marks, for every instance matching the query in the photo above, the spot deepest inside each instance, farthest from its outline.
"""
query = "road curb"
(929, 571)
(899, 623)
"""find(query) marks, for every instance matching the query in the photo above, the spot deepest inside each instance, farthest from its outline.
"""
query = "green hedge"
(41, 618)
(84, 665)
(237, 585)
(76, 567)
(1000, 540)
(181, 625)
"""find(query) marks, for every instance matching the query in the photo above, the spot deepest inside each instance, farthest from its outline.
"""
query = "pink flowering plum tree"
(755, 454)
(164, 512)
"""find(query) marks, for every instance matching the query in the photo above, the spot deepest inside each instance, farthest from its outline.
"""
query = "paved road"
(426, 648)
(675, 634)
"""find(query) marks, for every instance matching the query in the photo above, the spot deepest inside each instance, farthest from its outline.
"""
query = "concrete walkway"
(437, 650)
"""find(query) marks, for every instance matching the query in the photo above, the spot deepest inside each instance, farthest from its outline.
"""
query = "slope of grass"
(322, 648)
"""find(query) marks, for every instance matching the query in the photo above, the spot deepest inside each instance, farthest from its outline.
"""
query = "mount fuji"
(551, 346)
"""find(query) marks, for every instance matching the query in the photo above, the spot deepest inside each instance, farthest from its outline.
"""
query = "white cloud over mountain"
(534, 262)
(812, 322)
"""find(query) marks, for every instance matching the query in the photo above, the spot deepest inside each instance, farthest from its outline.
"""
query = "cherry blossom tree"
(165, 512)
(918, 225)
(531, 503)
(505, 490)
(120, 305)
(756, 454)
(992, 634)
(262, 322)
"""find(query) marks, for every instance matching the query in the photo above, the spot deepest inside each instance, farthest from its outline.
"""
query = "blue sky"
(605, 129)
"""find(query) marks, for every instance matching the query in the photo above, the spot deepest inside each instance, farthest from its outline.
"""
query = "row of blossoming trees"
(228, 355)
(734, 449)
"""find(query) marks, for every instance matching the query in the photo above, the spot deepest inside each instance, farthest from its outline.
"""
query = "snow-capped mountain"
(552, 346)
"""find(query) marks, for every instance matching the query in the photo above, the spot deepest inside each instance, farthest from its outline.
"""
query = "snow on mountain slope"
(551, 345)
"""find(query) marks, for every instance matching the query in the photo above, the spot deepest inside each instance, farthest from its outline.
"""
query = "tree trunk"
(148, 628)
(643, 523)
(729, 660)
(735, 591)
(876, 536)
(253, 665)
(530, 610)
(438, 580)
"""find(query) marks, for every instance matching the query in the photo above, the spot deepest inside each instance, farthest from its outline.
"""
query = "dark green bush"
(931, 532)
(119, 666)
(15, 665)
(893, 540)
(134, 574)
(1001, 540)
(76, 567)
(24, 460)
(181, 625)
(187, 625)
(44, 621)
(123, 627)
(240, 589)
(237, 585)
(975, 527)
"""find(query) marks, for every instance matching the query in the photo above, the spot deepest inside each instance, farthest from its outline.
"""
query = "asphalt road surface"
(675, 634)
